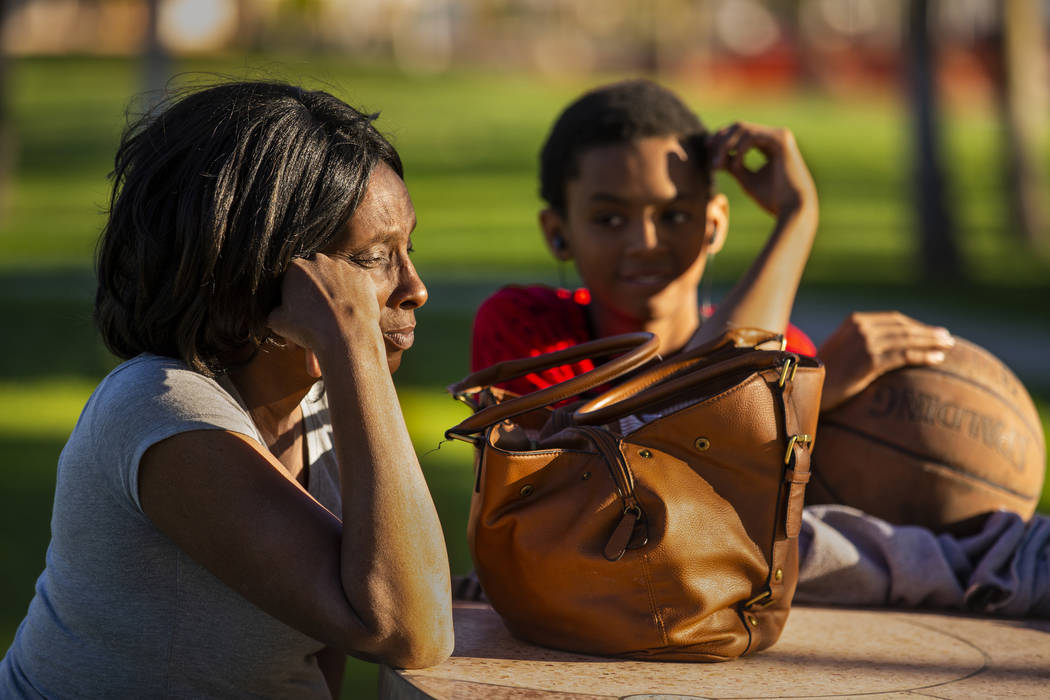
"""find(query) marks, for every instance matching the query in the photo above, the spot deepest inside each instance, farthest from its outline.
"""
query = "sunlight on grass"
(470, 141)
(43, 409)
(429, 412)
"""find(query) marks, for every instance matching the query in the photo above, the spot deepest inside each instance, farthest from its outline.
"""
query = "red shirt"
(520, 321)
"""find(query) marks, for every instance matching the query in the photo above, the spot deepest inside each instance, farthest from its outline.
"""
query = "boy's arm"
(764, 295)
(866, 345)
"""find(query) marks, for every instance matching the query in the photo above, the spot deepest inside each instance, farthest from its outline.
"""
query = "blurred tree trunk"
(1023, 93)
(657, 28)
(7, 140)
(156, 64)
(805, 70)
(248, 25)
(649, 38)
(938, 252)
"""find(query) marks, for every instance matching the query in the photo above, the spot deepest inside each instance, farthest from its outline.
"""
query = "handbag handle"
(638, 348)
(661, 383)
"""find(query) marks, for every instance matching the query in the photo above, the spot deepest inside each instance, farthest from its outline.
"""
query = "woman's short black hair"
(214, 193)
(611, 114)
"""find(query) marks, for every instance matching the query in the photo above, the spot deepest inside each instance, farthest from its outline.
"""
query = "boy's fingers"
(917, 356)
(724, 142)
(745, 177)
(719, 144)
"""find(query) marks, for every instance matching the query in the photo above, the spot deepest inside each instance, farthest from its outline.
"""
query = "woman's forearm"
(332, 663)
(394, 567)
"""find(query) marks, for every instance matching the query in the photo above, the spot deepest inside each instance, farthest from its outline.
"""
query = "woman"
(254, 274)
(627, 173)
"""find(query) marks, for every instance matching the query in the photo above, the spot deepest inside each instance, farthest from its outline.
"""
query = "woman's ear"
(717, 223)
(553, 226)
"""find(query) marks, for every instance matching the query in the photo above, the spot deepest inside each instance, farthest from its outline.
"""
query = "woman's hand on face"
(780, 185)
(868, 344)
(324, 300)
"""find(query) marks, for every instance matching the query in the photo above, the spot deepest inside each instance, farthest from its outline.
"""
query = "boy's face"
(639, 226)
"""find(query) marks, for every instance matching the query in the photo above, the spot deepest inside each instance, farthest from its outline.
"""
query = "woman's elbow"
(421, 648)
(425, 655)
(409, 627)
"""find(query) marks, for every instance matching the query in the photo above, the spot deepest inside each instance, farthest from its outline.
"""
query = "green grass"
(469, 140)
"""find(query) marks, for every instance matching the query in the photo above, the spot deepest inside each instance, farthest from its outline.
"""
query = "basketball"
(933, 445)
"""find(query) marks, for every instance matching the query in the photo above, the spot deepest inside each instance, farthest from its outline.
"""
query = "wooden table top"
(823, 652)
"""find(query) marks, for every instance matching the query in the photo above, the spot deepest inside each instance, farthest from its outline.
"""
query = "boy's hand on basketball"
(780, 185)
(868, 344)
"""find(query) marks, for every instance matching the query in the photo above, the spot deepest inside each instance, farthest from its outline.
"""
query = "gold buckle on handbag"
(760, 601)
(465, 396)
(801, 438)
(787, 371)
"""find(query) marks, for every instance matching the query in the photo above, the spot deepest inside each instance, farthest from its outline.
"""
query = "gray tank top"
(119, 610)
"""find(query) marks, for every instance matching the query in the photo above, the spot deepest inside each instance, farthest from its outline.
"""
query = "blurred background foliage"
(466, 91)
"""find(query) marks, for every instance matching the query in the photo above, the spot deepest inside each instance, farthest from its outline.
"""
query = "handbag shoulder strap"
(737, 337)
(736, 349)
(664, 381)
(638, 348)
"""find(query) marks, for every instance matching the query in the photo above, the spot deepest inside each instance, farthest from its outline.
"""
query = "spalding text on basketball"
(922, 407)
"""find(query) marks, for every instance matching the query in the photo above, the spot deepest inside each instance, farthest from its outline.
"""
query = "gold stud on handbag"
(658, 520)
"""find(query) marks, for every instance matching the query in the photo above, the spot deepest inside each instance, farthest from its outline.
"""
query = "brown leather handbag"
(658, 520)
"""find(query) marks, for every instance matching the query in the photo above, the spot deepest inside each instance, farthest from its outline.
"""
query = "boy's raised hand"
(780, 185)
(763, 296)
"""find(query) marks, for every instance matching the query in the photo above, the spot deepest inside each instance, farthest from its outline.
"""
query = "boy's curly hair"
(611, 114)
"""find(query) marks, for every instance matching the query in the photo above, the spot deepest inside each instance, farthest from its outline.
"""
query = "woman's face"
(637, 225)
(378, 239)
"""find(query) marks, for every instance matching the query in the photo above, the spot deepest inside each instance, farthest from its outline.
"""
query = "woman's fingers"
(319, 297)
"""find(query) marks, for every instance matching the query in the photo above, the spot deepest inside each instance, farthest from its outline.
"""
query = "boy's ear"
(717, 223)
(553, 226)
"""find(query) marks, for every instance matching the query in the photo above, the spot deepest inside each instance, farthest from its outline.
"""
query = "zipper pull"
(630, 533)
(621, 535)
